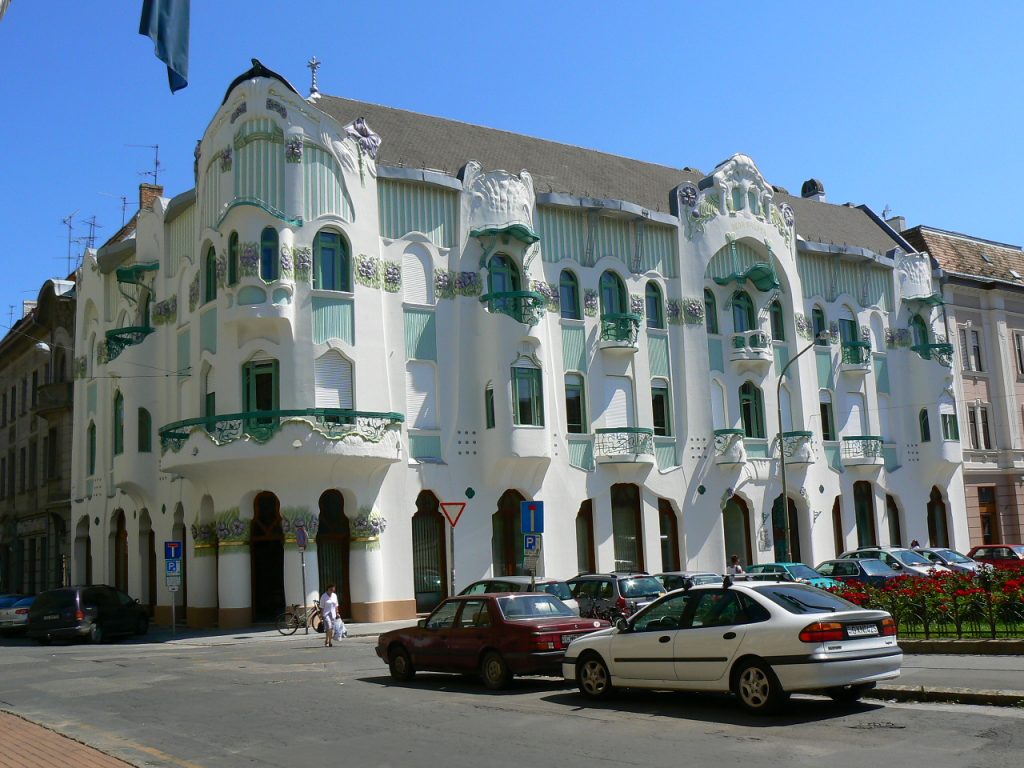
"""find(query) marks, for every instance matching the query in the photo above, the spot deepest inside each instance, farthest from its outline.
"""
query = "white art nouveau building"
(359, 313)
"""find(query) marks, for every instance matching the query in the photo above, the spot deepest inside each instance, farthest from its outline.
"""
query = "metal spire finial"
(314, 64)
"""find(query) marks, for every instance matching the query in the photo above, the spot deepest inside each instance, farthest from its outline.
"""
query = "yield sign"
(453, 510)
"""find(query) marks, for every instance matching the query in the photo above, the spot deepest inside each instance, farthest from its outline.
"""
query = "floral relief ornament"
(193, 293)
(636, 304)
(303, 262)
(293, 150)
(550, 293)
(693, 310)
(803, 325)
(231, 529)
(449, 284)
(367, 528)
(590, 302)
(249, 261)
(225, 159)
(286, 263)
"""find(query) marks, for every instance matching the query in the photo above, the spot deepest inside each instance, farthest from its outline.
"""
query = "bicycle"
(297, 616)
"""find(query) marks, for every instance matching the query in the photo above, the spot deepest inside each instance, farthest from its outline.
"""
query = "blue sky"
(914, 106)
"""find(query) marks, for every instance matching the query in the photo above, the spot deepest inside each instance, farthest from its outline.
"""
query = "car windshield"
(800, 599)
(56, 600)
(516, 607)
(875, 567)
(951, 556)
(909, 557)
(557, 588)
(640, 586)
(801, 571)
(1018, 549)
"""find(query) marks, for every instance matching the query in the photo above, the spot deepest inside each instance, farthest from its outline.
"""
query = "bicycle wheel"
(287, 623)
(316, 621)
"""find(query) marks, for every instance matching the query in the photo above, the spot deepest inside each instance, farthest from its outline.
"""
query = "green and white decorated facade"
(361, 313)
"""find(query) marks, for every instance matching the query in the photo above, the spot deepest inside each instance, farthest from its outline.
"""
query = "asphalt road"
(289, 701)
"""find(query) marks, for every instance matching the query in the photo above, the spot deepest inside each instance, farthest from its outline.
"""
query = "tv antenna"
(124, 203)
(155, 173)
(90, 239)
(68, 221)
(886, 211)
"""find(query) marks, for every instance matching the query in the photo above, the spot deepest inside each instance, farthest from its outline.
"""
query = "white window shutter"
(415, 286)
(333, 381)
(421, 396)
(619, 398)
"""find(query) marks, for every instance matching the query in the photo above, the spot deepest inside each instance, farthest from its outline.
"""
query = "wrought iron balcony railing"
(620, 326)
(120, 339)
(624, 441)
(260, 426)
(940, 353)
(523, 306)
(751, 340)
(862, 449)
(798, 447)
(856, 353)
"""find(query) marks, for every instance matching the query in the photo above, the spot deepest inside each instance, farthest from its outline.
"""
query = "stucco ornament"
(740, 172)
(913, 274)
(498, 202)
(367, 528)
(687, 195)
(364, 137)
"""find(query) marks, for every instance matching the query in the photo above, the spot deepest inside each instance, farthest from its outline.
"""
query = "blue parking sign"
(172, 550)
(533, 516)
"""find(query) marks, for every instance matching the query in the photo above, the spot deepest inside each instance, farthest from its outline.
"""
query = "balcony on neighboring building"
(525, 307)
(119, 339)
(856, 357)
(940, 353)
(752, 350)
(798, 447)
(624, 445)
(862, 450)
(729, 447)
(54, 398)
(619, 330)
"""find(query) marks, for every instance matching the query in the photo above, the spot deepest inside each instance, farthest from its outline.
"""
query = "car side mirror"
(421, 623)
(621, 624)
(896, 566)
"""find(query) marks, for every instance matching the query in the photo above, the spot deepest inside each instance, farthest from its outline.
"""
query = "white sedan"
(759, 640)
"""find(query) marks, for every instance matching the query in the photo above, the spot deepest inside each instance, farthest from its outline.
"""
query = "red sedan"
(496, 635)
(1000, 555)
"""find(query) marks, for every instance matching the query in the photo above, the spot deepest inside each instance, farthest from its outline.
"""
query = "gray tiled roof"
(420, 141)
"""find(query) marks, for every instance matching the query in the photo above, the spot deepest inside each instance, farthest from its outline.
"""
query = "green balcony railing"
(796, 445)
(621, 441)
(856, 352)
(751, 340)
(523, 306)
(620, 326)
(119, 339)
(725, 439)
(862, 447)
(260, 426)
(940, 353)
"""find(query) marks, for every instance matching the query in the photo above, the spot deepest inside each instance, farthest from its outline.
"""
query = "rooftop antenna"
(90, 239)
(124, 203)
(68, 222)
(10, 315)
(886, 211)
(155, 173)
(314, 64)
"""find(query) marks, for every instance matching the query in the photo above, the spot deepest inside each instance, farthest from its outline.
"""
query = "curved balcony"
(54, 398)
(862, 450)
(729, 448)
(120, 339)
(525, 307)
(752, 350)
(940, 353)
(624, 445)
(856, 357)
(619, 330)
(304, 435)
(798, 447)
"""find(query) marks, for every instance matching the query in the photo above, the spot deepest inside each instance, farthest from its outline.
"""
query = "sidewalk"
(211, 637)
(27, 745)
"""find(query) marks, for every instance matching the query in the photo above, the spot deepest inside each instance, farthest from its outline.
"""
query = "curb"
(1007, 647)
(948, 695)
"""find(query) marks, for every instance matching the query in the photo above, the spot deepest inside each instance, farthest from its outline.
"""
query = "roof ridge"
(971, 238)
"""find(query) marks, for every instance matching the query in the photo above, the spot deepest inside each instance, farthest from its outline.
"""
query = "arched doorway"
(938, 533)
(332, 546)
(586, 559)
(668, 525)
(785, 551)
(83, 553)
(627, 527)
(266, 550)
(147, 561)
(736, 526)
(429, 559)
(507, 535)
(838, 534)
(892, 516)
(120, 550)
(864, 513)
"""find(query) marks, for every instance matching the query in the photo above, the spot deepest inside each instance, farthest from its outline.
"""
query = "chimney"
(813, 189)
(148, 193)
(899, 223)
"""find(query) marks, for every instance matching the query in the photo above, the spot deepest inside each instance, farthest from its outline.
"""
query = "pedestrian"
(329, 610)
(915, 544)
(734, 566)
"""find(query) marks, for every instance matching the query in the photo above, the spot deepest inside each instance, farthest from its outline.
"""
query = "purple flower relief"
(636, 305)
(365, 138)
(276, 106)
(250, 258)
(672, 309)
(225, 159)
(286, 260)
(223, 532)
(238, 527)
(466, 281)
(303, 260)
(687, 196)
(293, 149)
(366, 268)
(443, 283)
(590, 301)
(392, 276)
(195, 532)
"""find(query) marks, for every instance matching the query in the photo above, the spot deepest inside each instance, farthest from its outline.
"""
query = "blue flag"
(166, 23)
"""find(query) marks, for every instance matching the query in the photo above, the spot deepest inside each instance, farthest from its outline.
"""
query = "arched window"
(752, 410)
(210, 275)
(613, 295)
(938, 532)
(489, 406)
(653, 304)
(575, 404)
(233, 259)
(742, 312)
(118, 424)
(503, 278)
(661, 405)
(778, 326)
(818, 326)
(668, 526)
(918, 330)
(926, 430)
(145, 431)
(864, 513)
(92, 448)
(892, 515)
(330, 262)
(753, 202)
(268, 255)
(710, 311)
(828, 421)
(527, 394)
(569, 295)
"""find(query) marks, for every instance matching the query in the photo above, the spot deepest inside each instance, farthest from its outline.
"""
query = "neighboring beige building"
(983, 287)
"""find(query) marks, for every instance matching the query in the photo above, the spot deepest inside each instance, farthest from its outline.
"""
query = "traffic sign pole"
(173, 552)
(452, 511)
(302, 539)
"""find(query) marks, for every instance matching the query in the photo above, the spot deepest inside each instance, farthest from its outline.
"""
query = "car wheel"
(494, 671)
(757, 688)
(142, 627)
(43, 640)
(849, 694)
(96, 634)
(592, 677)
(400, 664)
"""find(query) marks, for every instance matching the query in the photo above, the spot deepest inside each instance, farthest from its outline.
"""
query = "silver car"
(524, 584)
(900, 559)
(955, 561)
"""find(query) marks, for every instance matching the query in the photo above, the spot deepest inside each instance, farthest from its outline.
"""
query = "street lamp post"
(782, 449)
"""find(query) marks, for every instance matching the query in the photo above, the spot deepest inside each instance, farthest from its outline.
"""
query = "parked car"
(858, 571)
(899, 559)
(7, 599)
(686, 579)
(96, 613)
(14, 618)
(759, 640)
(999, 555)
(952, 559)
(524, 584)
(610, 595)
(795, 571)
(496, 635)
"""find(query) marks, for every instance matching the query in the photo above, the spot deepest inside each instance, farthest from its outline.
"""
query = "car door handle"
(729, 636)
(664, 639)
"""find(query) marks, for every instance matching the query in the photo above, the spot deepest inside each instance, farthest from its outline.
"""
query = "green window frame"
(918, 330)
(613, 294)
(331, 270)
(777, 320)
(145, 442)
(848, 332)
(950, 426)
(752, 410)
(828, 422)
(210, 407)
(261, 386)
(489, 406)
(710, 311)
(654, 305)
(210, 276)
(527, 397)
(661, 406)
(233, 259)
(576, 404)
(818, 325)
(737, 199)
(753, 203)
(270, 264)
(569, 295)
(742, 312)
(118, 424)
(926, 430)
(502, 274)
(91, 432)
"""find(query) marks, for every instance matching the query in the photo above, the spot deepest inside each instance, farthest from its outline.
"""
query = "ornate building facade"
(361, 313)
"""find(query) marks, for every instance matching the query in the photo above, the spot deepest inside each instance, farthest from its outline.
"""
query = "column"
(234, 585)
(201, 573)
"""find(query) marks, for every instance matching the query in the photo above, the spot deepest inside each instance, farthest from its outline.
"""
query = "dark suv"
(94, 612)
(610, 595)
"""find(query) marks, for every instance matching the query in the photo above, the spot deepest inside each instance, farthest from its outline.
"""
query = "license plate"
(51, 616)
(862, 630)
(566, 639)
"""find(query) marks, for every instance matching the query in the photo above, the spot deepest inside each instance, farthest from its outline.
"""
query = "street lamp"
(782, 450)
